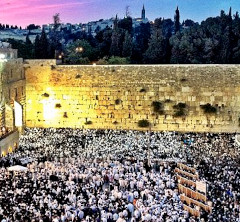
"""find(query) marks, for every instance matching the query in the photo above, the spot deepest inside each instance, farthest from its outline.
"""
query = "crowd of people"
(116, 176)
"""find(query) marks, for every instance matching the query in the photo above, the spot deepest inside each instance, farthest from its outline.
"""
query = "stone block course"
(94, 93)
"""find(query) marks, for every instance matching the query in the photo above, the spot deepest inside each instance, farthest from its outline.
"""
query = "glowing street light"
(79, 49)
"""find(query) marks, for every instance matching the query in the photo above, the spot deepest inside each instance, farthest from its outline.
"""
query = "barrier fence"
(183, 180)
(192, 211)
(190, 201)
(191, 193)
(194, 176)
(189, 196)
(185, 167)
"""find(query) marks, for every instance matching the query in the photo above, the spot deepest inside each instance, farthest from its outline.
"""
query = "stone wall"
(118, 96)
(9, 143)
(12, 87)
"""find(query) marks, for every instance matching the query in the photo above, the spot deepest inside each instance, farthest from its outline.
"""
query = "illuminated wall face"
(117, 97)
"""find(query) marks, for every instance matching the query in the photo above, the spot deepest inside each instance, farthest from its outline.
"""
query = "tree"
(177, 20)
(37, 48)
(33, 26)
(117, 60)
(140, 45)
(56, 21)
(80, 52)
(28, 41)
(126, 24)
(24, 51)
(127, 11)
(127, 45)
(156, 52)
(115, 44)
(55, 36)
(188, 23)
(29, 48)
(236, 53)
(41, 46)
(104, 38)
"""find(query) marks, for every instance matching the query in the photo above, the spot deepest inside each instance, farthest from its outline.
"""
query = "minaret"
(143, 13)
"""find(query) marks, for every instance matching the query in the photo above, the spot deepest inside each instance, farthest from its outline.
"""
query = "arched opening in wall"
(18, 114)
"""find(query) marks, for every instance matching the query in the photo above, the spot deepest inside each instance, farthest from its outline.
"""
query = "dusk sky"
(16, 12)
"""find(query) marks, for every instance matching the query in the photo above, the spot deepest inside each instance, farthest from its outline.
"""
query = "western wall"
(118, 96)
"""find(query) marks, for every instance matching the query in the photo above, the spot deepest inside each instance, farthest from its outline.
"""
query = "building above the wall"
(6, 52)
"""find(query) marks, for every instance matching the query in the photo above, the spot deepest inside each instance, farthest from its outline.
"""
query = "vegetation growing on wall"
(143, 90)
(80, 100)
(143, 123)
(167, 101)
(58, 105)
(45, 94)
(158, 107)
(65, 115)
(183, 80)
(208, 108)
(88, 122)
(118, 101)
(53, 67)
(180, 110)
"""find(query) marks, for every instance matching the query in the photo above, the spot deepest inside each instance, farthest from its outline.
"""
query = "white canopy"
(17, 168)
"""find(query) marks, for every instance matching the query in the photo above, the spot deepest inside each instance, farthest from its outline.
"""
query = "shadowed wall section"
(117, 96)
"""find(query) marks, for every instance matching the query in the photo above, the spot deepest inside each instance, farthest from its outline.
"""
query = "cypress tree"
(127, 45)
(29, 48)
(44, 46)
(177, 20)
(28, 41)
(230, 12)
(115, 49)
(37, 48)
(156, 52)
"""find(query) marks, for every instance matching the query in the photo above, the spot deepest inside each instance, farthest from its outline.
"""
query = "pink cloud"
(38, 11)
